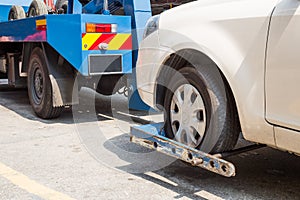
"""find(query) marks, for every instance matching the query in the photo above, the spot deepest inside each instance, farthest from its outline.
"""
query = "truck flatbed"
(67, 34)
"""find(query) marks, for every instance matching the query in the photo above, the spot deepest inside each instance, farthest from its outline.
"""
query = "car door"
(282, 76)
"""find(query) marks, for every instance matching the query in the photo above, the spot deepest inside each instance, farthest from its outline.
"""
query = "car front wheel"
(199, 111)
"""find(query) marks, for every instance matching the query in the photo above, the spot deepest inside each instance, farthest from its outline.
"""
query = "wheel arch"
(180, 59)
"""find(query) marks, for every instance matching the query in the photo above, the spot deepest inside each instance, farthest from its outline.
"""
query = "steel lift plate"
(153, 137)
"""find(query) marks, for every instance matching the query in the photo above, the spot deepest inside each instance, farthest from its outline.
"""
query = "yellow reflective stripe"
(89, 39)
(41, 22)
(118, 41)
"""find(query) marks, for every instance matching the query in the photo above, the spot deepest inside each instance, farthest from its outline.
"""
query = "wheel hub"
(187, 115)
(38, 85)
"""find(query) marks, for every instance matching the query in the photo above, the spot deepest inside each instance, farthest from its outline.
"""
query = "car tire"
(36, 8)
(16, 12)
(40, 88)
(199, 111)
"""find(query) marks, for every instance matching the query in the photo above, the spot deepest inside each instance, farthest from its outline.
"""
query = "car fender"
(235, 40)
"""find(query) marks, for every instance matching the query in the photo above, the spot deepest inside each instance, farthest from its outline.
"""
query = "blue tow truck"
(54, 50)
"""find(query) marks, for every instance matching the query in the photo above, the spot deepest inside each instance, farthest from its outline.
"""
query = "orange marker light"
(101, 28)
(90, 28)
(41, 25)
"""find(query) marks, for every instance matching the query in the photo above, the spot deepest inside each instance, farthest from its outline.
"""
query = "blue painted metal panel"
(146, 131)
(124, 26)
(64, 35)
(74, 7)
(4, 10)
(21, 30)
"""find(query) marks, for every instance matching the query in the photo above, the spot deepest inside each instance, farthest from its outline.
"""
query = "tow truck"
(55, 49)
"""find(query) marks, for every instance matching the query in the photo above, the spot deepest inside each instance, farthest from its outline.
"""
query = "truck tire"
(199, 111)
(61, 6)
(37, 7)
(16, 12)
(40, 88)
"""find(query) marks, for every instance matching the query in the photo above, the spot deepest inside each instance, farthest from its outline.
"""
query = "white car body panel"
(235, 39)
(283, 70)
(283, 75)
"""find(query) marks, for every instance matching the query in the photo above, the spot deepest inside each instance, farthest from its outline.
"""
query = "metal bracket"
(151, 136)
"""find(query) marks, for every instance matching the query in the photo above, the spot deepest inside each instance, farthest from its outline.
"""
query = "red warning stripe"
(114, 41)
(127, 45)
(104, 38)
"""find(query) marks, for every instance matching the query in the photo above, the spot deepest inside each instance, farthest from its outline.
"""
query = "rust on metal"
(197, 161)
(185, 153)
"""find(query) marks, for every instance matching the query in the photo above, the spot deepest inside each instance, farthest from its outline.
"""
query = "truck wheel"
(199, 112)
(37, 7)
(61, 6)
(16, 12)
(39, 87)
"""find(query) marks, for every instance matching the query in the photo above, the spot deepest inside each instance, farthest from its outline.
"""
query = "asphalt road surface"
(86, 154)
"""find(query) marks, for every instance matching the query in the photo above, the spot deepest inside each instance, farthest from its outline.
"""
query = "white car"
(221, 67)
